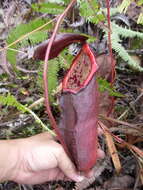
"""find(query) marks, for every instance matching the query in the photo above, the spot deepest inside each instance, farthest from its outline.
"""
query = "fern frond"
(140, 19)
(126, 33)
(21, 30)
(53, 68)
(140, 2)
(113, 11)
(124, 6)
(104, 85)
(65, 59)
(120, 50)
(35, 38)
(91, 11)
(51, 8)
(66, 1)
(117, 32)
(10, 100)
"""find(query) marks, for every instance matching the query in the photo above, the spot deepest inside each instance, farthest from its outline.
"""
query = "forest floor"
(26, 88)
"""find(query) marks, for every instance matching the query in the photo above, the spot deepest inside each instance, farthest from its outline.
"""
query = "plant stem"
(48, 109)
(111, 54)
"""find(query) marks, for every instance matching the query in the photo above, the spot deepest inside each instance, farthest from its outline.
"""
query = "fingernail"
(78, 178)
(101, 154)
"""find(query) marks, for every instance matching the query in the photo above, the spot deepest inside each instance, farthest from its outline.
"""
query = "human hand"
(40, 158)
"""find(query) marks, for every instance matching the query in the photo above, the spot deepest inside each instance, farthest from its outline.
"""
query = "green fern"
(35, 38)
(53, 68)
(140, 2)
(126, 3)
(65, 2)
(124, 6)
(104, 85)
(126, 33)
(113, 11)
(10, 100)
(120, 50)
(65, 59)
(21, 30)
(140, 19)
(91, 11)
(117, 32)
(50, 8)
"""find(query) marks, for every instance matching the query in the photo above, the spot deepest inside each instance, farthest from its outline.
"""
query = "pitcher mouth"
(81, 71)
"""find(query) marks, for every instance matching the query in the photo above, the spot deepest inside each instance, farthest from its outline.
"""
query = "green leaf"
(22, 30)
(104, 85)
(91, 39)
(35, 38)
(66, 1)
(51, 8)
(91, 11)
(124, 6)
(140, 19)
(140, 2)
(53, 68)
(117, 32)
(115, 93)
(10, 100)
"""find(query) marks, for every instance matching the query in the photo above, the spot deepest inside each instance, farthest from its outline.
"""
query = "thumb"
(68, 168)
